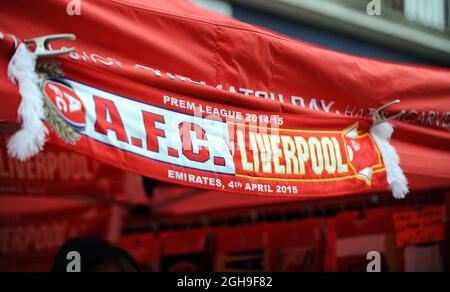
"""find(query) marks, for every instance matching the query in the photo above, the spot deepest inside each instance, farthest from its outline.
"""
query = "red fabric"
(330, 253)
(186, 251)
(184, 242)
(447, 229)
(10, 103)
(242, 249)
(177, 37)
(365, 222)
(241, 238)
(358, 233)
(144, 248)
(296, 246)
(58, 172)
(180, 201)
(415, 227)
(33, 229)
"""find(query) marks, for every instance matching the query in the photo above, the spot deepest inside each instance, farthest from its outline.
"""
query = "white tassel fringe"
(396, 178)
(30, 139)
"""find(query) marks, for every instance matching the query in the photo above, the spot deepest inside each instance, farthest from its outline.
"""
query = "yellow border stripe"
(306, 180)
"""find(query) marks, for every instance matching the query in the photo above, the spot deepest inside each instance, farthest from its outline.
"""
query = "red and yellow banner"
(207, 145)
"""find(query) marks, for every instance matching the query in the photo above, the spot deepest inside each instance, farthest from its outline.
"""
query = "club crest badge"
(64, 110)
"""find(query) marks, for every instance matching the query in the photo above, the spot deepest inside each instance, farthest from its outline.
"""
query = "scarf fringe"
(397, 180)
(30, 139)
